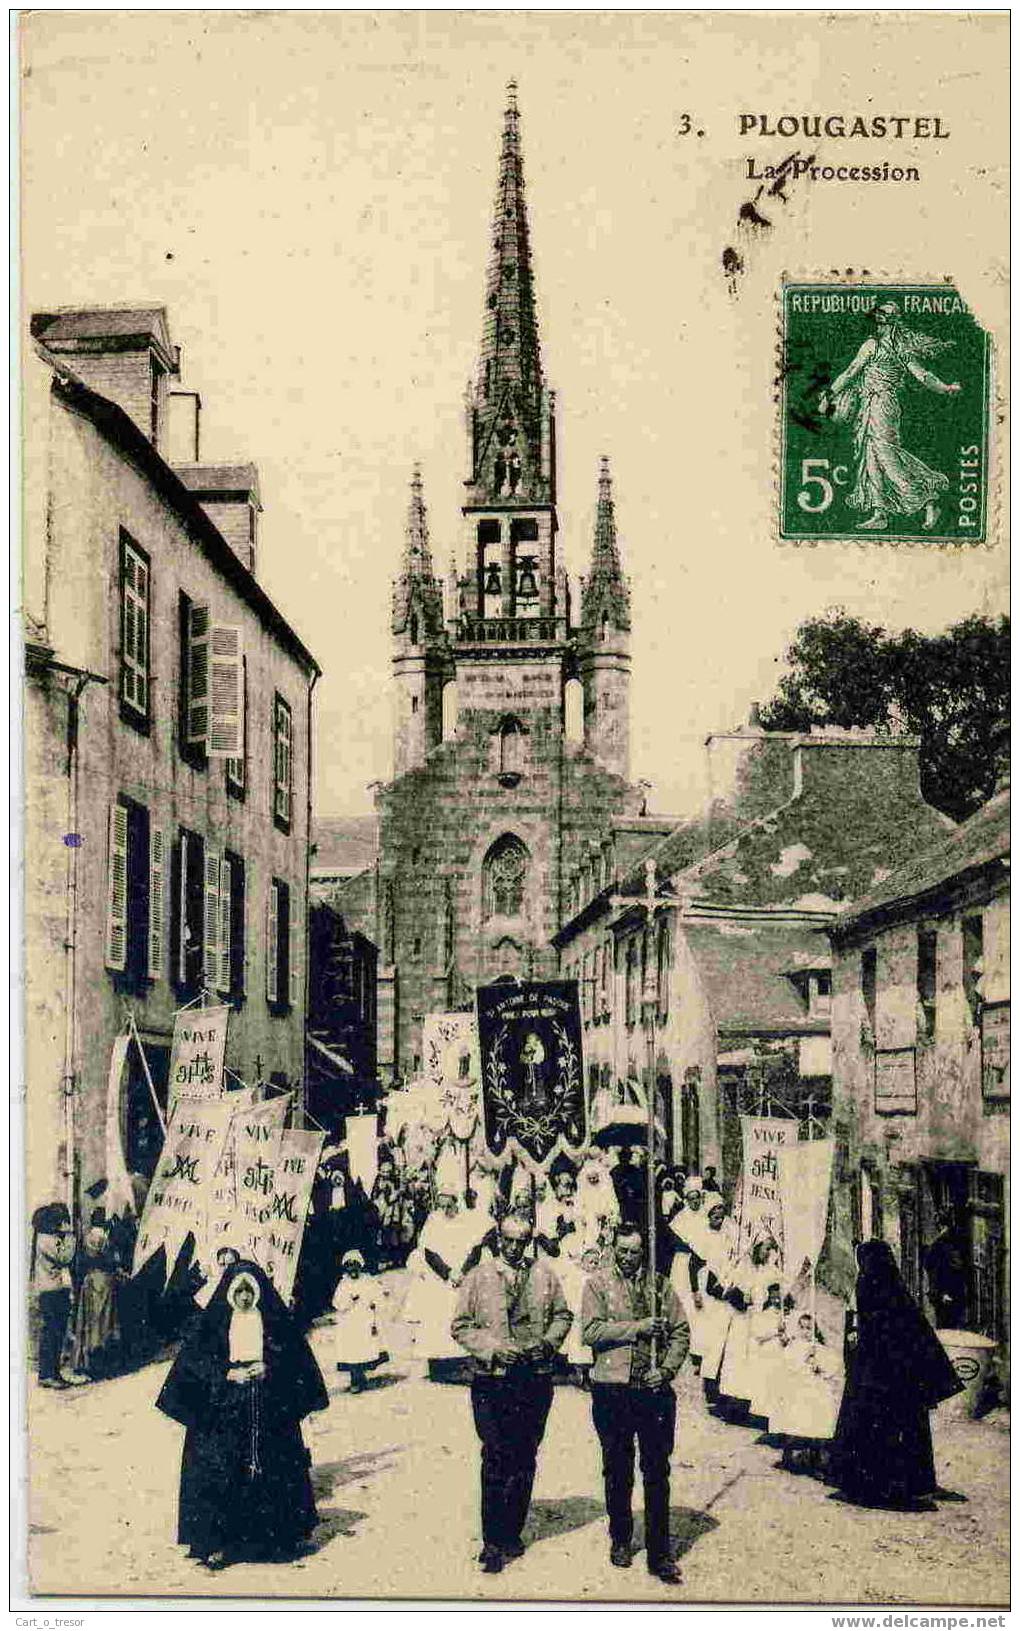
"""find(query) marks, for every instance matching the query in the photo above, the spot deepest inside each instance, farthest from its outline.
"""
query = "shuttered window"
(134, 630)
(211, 920)
(283, 767)
(236, 766)
(198, 676)
(130, 920)
(281, 960)
(188, 914)
(225, 926)
(157, 903)
(273, 942)
(294, 959)
(116, 895)
(226, 693)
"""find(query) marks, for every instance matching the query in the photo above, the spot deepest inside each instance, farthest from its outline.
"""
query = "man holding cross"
(632, 1321)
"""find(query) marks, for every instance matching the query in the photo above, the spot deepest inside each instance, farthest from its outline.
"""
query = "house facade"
(167, 729)
(720, 995)
(920, 1032)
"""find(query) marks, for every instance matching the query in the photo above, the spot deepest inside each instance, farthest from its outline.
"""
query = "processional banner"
(182, 1186)
(766, 1141)
(804, 1179)
(196, 1053)
(533, 1099)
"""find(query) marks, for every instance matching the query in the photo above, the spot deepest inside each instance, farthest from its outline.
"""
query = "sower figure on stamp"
(637, 1354)
(512, 1318)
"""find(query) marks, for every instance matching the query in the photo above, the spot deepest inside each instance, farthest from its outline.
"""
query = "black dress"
(896, 1373)
(245, 1483)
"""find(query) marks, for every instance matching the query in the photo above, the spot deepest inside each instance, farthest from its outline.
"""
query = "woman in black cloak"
(244, 1380)
(896, 1372)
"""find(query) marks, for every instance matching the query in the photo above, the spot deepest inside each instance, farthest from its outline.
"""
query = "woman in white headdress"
(752, 1276)
(437, 1267)
(715, 1278)
(687, 1225)
(598, 1210)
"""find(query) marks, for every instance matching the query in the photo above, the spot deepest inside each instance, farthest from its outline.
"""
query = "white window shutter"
(157, 902)
(226, 693)
(295, 957)
(116, 900)
(182, 914)
(226, 873)
(272, 943)
(198, 675)
(211, 919)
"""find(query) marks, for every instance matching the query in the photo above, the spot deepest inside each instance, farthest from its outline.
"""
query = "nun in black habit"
(896, 1372)
(241, 1385)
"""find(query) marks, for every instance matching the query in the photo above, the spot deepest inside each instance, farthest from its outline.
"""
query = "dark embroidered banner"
(533, 1095)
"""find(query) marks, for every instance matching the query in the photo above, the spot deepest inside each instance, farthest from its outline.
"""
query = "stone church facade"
(494, 800)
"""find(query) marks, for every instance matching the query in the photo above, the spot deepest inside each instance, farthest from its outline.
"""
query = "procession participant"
(897, 1371)
(714, 1271)
(223, 1259)
(629, 1182)
(752, 1276)
(687, 1224)
(95, 1330)
(511, 1318)
(438, 1266)
(241, 1385)
(766, 1353)
(631, 1396)
(356, 1304)
(806, 1402)
(50, 1279)
(558, 1235)
(598, 1208)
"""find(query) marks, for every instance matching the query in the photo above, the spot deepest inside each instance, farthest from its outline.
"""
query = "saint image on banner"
(533, 1099)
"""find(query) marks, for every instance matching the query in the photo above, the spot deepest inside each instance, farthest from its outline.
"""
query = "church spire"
(511, 452)
(605, 593)
(417, 597)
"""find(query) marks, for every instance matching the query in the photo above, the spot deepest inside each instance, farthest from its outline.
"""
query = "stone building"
(495, 797)
(724, 999)
(167, 728)
(920, 1032)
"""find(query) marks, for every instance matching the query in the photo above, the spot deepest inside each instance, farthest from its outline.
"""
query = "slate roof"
(219, 478)
(741, 965)
(974, 844)
(100, 324)
(346, 844)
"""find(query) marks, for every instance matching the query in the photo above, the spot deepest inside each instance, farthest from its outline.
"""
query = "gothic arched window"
(511, 747)
(414, 628)
(504, 875)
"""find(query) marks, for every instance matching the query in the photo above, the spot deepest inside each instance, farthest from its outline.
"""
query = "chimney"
(122, 353)
(183, 427)
(229, 495)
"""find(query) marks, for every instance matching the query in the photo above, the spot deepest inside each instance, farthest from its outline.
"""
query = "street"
(396, 1470)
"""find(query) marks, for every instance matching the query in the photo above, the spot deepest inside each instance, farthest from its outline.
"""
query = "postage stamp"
(884, 402)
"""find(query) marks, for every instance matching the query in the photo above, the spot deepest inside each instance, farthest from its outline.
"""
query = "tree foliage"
(949, 689)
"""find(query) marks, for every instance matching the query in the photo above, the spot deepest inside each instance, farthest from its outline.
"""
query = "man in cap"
(512, 1318)
(624, 1309)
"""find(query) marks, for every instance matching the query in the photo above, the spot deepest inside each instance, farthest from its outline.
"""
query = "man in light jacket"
(632, 1393)
(512, 1318)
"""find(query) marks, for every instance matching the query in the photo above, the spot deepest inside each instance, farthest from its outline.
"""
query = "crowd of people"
(511, 1286)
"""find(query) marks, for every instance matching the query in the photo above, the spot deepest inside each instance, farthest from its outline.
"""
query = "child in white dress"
(357, 1307)
(805, 1412)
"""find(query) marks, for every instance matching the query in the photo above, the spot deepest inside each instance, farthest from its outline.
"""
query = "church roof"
(605, 591)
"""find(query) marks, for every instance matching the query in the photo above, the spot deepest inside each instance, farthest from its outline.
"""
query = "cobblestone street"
(396, 1479)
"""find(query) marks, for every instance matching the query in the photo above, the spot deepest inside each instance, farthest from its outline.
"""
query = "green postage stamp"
(884, 396)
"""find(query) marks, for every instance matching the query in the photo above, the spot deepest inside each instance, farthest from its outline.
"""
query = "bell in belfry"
(493, 581)
(527, 583)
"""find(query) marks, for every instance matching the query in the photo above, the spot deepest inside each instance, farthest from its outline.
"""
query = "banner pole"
(145, 1067)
